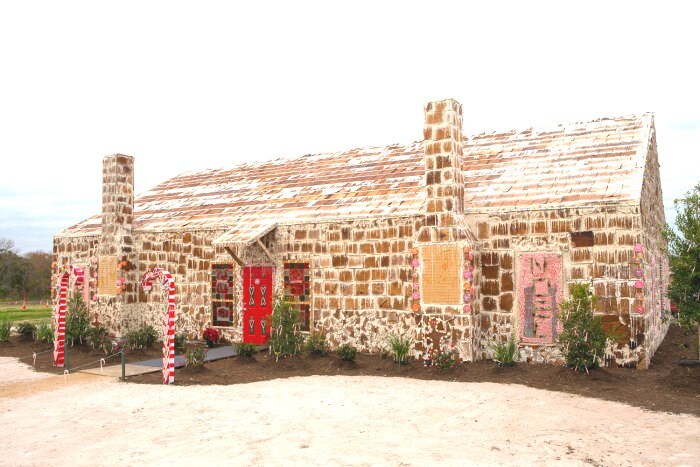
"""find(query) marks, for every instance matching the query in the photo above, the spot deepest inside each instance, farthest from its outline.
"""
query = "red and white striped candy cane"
(166, 279)
(74, 277)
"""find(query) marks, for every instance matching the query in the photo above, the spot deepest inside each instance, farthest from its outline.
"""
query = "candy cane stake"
(166, 279)
(72, 276)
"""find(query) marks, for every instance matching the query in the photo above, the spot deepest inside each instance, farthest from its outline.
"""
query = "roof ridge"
(542, 128)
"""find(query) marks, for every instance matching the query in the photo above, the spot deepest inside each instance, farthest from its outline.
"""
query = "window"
(442, 269)
(581, 239)
(107, 275)
(297, 289)
(222, 299)
(539, 291)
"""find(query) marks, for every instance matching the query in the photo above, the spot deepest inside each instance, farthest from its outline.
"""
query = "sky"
(194, 85)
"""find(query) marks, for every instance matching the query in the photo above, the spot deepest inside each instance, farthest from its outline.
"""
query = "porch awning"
(245, 233)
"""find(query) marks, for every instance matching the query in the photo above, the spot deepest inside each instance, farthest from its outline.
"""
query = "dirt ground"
(79, 356)
(417, 416)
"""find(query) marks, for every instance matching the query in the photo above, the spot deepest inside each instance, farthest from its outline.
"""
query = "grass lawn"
(17, 314)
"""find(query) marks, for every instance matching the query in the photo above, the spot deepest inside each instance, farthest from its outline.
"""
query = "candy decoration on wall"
(68, 277)
(168, 283)
(121, 280)
(639, 282)
(415, 296)
(467, 276)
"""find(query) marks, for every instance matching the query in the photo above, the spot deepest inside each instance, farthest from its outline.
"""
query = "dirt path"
(334, 420)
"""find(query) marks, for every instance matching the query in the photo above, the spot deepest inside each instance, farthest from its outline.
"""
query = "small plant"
(582, 338)
(445, 360)
(26, 330)
(180, 341)
(5, 329)
(316, 343)
(347, 352)
(141, 338)
(399, 346)
(77, 320)
(245, 349)
(211, 336)
(100, 339)
(505, 352)
(195, 355)
(285, 338)
(151, 335)
(44, 332)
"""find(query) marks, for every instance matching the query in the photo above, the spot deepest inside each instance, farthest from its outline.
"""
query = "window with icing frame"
(223, 302)
(297, 289)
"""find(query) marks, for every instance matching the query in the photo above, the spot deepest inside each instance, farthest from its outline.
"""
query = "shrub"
(44, 332)
(505, 352)
(26, 330)
(316, 343)
(5, 329)
(285, 338)
(211, 335)
(347, 352)
(77, 320)
(142, 338)
(399, 346)
(195, 355)
(99, 338)
(582, 338)
(245, 349)
(180, 341)
(444, 360)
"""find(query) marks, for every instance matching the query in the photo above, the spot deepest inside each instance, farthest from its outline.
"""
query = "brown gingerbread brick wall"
(596, 245)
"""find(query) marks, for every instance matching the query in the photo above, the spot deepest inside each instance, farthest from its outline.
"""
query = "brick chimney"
(444, 182)
(117, 205)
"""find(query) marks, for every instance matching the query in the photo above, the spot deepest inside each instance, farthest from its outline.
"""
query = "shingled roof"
(600, 161)
(579, 164)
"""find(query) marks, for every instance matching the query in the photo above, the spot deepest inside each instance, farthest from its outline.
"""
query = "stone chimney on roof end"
(443, 146)
(117, 205)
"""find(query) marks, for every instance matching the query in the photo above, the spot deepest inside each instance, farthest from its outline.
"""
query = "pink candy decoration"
(415, 263)
(471, 256)
(168, 282)
(467, 308)
(639, 285)
(467, 274)
(639, 272)
(467, 297)
(638, 248)
(640, 308)
(416, 296)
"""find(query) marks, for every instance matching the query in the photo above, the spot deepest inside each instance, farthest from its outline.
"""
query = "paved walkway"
(151, 366)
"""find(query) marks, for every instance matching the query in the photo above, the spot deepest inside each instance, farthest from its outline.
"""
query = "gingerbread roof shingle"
(600, 161)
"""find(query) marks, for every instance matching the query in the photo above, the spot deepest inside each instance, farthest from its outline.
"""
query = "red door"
(257, 303)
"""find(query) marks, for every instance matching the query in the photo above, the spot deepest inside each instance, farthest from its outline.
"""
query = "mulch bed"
(79, 356)
(666, 386)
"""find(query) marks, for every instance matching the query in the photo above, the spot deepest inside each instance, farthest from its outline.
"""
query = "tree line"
(28, 272)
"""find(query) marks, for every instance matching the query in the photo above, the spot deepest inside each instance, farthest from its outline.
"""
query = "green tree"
(77, 320)
(285, 337)
(684, 256)
(582, 337)
(30, 273)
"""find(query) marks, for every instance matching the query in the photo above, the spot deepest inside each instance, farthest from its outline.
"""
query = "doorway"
(257, 303)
